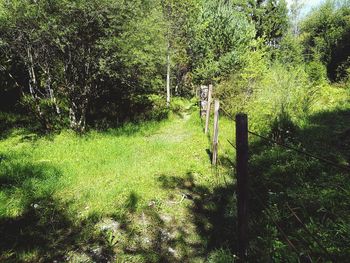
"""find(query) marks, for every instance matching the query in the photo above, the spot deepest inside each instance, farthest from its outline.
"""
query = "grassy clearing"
(57, 190)
(147, 193)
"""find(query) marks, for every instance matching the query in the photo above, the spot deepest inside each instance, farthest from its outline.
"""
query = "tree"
(179, 16)
(295, 10)
(133, 61)
(273, 22)
(270, 18)
(222, 37)
(28, 36)
(74, 52)
(326, 37)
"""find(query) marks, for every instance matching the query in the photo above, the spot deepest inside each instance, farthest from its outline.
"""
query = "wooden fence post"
(208, 109)
(216, 132)
(203, 99)
(242, 184)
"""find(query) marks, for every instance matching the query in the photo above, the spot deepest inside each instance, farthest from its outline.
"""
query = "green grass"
(155, 182)
(318, 192)
(137, 175)
(100, 170)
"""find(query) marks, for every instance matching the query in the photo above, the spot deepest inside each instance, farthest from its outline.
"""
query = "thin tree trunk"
(49, 90)
(77, 111)
(33, 87)
(168, 76)
(72, 116)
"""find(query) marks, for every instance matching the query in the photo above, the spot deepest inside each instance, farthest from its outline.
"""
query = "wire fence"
(310, 238)
(302, 152)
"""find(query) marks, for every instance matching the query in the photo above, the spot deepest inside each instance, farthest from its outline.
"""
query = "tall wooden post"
(208, 109)
(216, 132)
(242, 184)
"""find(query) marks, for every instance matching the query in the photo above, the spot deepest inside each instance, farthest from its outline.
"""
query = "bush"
(221, 256)
(317, 72)
(281, 89)
(283, 129)
(158, 110)
(269, 93)
(178, 105)
(236, 91)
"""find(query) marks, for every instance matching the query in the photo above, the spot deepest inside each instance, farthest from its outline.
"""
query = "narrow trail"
(177, 221)
(151, 185)
(174, 131)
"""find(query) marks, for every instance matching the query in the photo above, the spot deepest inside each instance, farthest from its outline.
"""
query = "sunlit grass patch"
(112, 174)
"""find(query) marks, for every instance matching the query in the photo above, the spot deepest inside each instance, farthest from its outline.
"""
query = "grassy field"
(126, 194)
(148, 193)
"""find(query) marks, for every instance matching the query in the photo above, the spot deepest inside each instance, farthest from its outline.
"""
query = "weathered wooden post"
(208, 109)
(242, 184)
(203, 100)
(216, 132)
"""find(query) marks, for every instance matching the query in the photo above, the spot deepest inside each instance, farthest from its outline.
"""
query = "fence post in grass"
(216, 132)
(208, 109)
(198, 94)
(242, 184)
(203, 100)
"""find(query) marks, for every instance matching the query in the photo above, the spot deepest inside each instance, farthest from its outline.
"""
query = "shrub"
(282, 128)
(158, 109)
(221, 256)
(236, 91)
(317, 72)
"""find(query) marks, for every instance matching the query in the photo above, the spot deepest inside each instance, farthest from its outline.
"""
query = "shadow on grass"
(9, 122)
(142, 236)
(31, 130)
(212, 213)
(146, 238)
(329, 135)
(130, 129)
(22, 124)
(37, 227)
(318, 193)
(200, 222)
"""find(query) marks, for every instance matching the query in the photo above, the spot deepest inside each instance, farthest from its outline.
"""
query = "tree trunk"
(33, 89)
(168, 76)
(77, 118)
(49, 90)
(78, 109)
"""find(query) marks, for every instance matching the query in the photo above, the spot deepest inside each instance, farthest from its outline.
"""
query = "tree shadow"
(9, 122)
(279, 179)
(35, 226)
(328, 135)
(202, 220)
(22, 124)
(286, 184)
(213, 212)
(143, 234)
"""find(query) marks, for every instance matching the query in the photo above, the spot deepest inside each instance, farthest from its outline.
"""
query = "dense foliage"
(104, 62)
(326, 37)
(66, 55)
